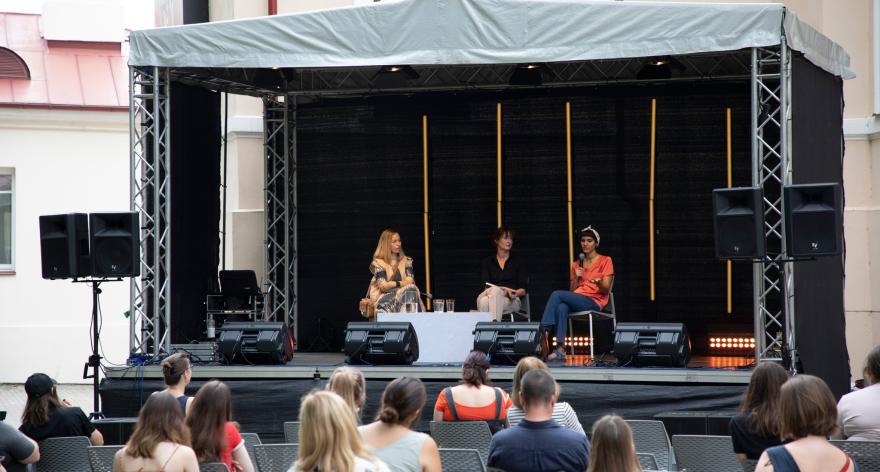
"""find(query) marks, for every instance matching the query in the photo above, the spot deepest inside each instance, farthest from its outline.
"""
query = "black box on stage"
(812, 220)
(116, 431)
(64, 246)
(507, 343)
(115, 242)
(658, 344)
(380, 343)
(738, 222)
(255, 343)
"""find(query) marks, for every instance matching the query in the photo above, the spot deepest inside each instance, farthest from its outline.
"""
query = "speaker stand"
(318, 340)
(95, 359)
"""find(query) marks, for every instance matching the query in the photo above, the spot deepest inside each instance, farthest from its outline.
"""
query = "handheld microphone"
(581, 262)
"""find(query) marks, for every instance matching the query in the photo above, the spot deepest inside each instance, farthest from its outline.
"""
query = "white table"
(445, 337)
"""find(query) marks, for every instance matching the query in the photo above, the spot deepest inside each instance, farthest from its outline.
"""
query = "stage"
(264, 396)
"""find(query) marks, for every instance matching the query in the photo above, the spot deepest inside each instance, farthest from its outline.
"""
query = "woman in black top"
(757, 426)
(503, 277)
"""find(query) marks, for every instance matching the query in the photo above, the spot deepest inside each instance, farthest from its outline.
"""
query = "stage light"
(527, 74)
(731, 344)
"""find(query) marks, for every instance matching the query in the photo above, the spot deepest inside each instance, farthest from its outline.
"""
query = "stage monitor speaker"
(381, 343)
(738, 222)
(657, 344)
(115, 241)
(507, 343)
(64, 246)
(812, 220)
(255, 343)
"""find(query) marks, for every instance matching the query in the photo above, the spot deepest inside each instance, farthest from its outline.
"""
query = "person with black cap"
(590, 282)
(45, 416)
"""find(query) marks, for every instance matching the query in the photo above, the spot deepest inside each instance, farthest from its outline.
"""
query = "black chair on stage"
(463, 435)
(608, 312)
(461, 460)
(523, 314)
(101, 457)
(275, 457)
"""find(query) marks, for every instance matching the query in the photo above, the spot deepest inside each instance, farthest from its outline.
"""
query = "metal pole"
(757, 269)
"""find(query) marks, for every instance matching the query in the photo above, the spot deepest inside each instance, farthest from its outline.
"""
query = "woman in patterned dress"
(393, 282)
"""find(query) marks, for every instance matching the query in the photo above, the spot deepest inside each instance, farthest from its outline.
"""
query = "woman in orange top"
(590, 282)
(473, 399)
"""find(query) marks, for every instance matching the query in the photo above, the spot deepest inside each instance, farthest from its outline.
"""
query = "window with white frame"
(7, 218)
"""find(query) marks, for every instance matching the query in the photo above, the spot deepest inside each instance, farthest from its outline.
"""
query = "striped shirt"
(562, 413)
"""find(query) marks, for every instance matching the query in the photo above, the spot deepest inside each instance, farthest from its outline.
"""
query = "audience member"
(348, 383)
(757, 425)
(473, 399)
(215, 438)
(160, 440)
(45, 416)
(16, 449)
(390, 436)
(858, 413)
(329, 439)
(538, 443)
(563, 413)
(177, 372)
(613, 449)
(809, 416)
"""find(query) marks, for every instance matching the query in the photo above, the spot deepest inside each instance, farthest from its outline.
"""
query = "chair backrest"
(461, 460)
(275, 457)
(65, 453)
(291, 432)
(251, 440)
(213, 467)
(651, 438)
(463, 435)
(101, 457)
(748, 465)
(647, 461)
(703, 453)
(864, 453)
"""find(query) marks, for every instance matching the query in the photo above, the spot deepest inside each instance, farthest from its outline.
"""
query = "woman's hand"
(579, 272)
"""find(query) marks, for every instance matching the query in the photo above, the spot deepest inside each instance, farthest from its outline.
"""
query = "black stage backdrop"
(817, 145)
(360, 171)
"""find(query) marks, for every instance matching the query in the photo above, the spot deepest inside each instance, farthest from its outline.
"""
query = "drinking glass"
(439, 305)
(450, 305)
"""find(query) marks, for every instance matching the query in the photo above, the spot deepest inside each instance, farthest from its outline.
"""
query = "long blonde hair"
(383, 249)
(524, 365)
(328, 435)
(612, 448)
(348, 383)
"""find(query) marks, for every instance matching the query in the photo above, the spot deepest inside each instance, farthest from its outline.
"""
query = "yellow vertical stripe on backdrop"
(651, 197)
(729, 185)
(426, 209)
(568, 179)
(498, 158)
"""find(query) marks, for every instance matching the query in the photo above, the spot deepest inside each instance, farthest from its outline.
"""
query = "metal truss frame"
(773, 278)
(149, 114)
(279, 141)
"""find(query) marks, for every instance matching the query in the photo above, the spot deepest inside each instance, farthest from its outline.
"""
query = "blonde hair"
(349, 383)
(328, 434)
(524, 365)
(612, 446)
(383, 249)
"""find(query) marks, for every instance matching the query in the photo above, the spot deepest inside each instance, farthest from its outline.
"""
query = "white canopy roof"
(460, 32)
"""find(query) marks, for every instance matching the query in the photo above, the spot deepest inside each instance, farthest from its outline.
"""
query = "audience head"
(808, 408)
(475, 369)
(524, 365)
(160, 420)
(612, 446)
(872, 366)
(41, 398)
(175, 368)
(402, 401)
(211, 410)
(348, 383)
(328, 435)
(537, 388)
(384, 250)
(762, 397)
(500, 233)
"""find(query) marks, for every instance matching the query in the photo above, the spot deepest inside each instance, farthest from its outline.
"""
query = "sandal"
(556, 355)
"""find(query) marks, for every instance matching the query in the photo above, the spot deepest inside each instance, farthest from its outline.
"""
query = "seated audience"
(473, 399)
(390, 436)
(215, 438)
(45, 416)
(757, 425)
(809, 416)
(329, 439)
(613, 448)
(858, 413)
(562, 411)
(538, 443)
(160, 440)
(348, 383)
(177, 372)
(16, 449)
(507, 275)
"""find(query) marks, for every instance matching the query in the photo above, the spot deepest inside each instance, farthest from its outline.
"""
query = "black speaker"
(64, 246)
(381, 343)
(116, 431)
(812, 220)
(507, 343)
(738, 222)
(255, 343)
(115, 241)
(659, 344)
